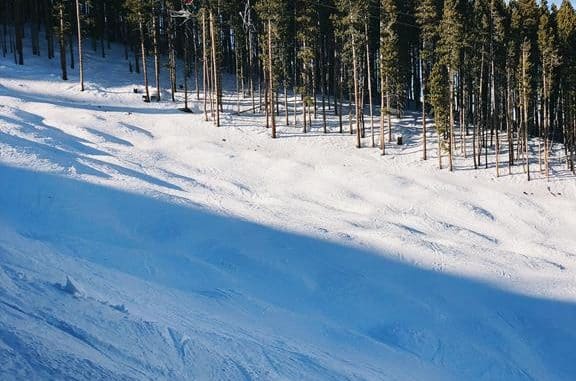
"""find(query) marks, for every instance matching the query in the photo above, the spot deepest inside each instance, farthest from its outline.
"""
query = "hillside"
(139, 242)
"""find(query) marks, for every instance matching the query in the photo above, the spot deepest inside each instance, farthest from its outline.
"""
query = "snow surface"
(138, 242)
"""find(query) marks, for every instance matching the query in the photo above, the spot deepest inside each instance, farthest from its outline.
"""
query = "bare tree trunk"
(525, 111)
(34, 28)
(304, 113)
(80, 56)
(424, 126)
(267, 105)
(451, 124)
(323, 87)
(62, 42)
(495, 119)
(143, 52)
(463, 116)
(251, 66)
(204, 65)
(195, 52)
(48, 29)
(156, 54)
(186, 71)
(271, 80)
(295, 105)
(509, 125)
(71, 47)
(172, 58)
(239, 78)
(357, 99)
(215, 66)
(315, 106)
(369, 85)
(287, 114)
(340, 96)
(480, 111)
(19, 33)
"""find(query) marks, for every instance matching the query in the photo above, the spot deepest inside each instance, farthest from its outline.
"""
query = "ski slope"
(138, 242)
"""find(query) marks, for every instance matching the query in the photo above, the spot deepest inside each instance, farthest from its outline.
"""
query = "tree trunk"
(185, 72)
(62, 42)
(423, 89)
(80, 57)
(357, 99)
(19, 33)
(525, 111)
(451, 122)
(215, 67)
(204, 65)
(156, 54)
(271, 80)
(143, 52)
(369, 74)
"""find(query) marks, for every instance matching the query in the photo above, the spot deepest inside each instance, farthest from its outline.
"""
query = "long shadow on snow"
(73, 104)
(471, 328)
(33, 124)
(83, 165)
(71, 151)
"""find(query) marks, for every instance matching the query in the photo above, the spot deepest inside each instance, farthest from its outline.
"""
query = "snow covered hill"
(141, 243)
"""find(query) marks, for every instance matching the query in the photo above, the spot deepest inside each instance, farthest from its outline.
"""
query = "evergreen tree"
(550, 60)
(511, 66)
(427, 17)
(307, 31)
(449, 48)
(389, 62)
(566, 22)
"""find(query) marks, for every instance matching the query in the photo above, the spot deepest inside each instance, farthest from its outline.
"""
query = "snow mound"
(72, 287)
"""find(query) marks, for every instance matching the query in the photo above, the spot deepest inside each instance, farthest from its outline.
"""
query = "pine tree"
(439, 95)
(427, 18)
(351, 24)
(271, 12)
(566, 19)
(153, 6)
(550, 60)
(450, 46)
(526, 90)
(389, 71)
(306, 34)
(137, 10)
(511, 66)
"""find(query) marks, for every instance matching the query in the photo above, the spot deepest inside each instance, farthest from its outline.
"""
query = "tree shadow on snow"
(69, 152)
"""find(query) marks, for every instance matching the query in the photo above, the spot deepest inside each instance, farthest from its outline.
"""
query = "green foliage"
(547, 44)
(451, 35)
(427, 16)
(389, 47)
(439, 96)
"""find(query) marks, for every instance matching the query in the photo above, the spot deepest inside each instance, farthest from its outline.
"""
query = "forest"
(493, 80)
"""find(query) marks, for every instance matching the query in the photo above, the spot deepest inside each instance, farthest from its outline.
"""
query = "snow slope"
(139, 242)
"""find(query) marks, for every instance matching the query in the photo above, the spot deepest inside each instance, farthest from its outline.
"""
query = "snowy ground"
(139, 242)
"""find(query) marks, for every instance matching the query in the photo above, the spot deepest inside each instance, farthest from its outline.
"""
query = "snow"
(220, 254)
(73, 288)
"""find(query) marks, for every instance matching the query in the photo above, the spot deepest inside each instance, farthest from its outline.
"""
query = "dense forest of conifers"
(497, 77)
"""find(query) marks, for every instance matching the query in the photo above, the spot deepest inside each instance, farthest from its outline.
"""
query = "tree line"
(498, 78)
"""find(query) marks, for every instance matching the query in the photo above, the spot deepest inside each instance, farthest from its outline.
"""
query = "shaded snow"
(73, 288)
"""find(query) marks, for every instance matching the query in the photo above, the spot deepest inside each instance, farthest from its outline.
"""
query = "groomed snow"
(138, 242)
